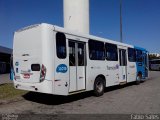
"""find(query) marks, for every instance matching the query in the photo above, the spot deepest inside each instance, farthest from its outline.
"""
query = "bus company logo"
(27, 71)
(17, 64)
(62, 68)
(113, 67)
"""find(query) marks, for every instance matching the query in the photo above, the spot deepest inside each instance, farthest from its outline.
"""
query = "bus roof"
(61, 29)
(140, 48)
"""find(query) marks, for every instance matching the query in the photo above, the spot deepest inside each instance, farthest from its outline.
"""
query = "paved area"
(143, 98)
(5, 78)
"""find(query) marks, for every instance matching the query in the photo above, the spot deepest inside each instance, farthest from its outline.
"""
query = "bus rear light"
(43, 73)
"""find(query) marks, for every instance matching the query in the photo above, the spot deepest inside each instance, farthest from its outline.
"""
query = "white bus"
(51, 59)
(155, 64)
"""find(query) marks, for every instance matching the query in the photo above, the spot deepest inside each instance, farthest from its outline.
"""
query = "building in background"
(5, 54)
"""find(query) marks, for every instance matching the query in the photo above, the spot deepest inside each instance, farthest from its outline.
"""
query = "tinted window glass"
(72, 56)
(156, 62)
(122, 57)
(61, 45)
(131, 55)
(111, 52)
(81, 54)
(35, 67)
(138, 55)
(96, 50)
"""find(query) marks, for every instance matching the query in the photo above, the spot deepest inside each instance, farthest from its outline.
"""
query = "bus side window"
(111, 52)
(61, 45)
(131, 55)
(96, 50)
(139, 57)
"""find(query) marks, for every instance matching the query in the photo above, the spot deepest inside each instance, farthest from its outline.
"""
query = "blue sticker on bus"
(11, 74)
(62, 68)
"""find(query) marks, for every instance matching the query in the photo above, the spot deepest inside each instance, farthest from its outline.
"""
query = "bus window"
(131, 55)
(111, 52)
(81, 54)
(61, 45)
(122, 57)
(154, 64)
(139, 56)
(72, 56)
(96, 50)
(158, 62)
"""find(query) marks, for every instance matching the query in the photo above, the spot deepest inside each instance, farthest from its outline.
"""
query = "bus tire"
(139, 78)
(99, 86)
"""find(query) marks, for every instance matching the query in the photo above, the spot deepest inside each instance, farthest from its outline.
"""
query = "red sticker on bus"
(26, 76)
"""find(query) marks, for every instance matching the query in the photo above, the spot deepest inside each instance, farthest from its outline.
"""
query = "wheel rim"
(99, 87)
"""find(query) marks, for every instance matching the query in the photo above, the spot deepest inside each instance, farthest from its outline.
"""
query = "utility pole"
(121, 31)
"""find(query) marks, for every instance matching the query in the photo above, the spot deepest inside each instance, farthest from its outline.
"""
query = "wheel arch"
(101, 76)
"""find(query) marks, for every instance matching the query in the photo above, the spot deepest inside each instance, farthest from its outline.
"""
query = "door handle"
(80, 77)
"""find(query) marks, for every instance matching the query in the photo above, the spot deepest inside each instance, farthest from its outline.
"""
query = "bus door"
(122, 66)
(77, 63)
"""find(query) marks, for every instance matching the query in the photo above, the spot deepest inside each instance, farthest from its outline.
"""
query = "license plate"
(26, 76)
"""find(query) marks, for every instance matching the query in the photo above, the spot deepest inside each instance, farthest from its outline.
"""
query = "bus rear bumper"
(35, 87)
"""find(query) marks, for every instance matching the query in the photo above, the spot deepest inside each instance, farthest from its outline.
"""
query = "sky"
(141, 19)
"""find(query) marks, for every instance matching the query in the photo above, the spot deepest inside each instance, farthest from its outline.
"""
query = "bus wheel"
(99, 87)
(139, 78)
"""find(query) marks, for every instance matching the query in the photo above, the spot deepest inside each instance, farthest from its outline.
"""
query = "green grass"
(7, 91)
